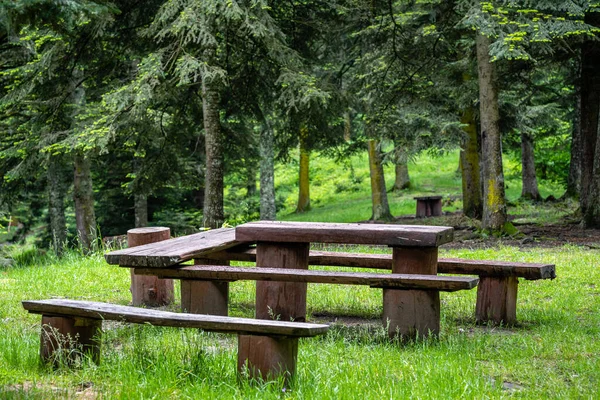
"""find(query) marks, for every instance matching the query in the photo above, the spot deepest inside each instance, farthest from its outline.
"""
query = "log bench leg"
(68, 338)
(497, 300)
(267, 357)
(205, 297)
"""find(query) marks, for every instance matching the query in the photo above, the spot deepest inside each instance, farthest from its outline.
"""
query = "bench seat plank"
(104, 311)
(322, 232)
(530, 271)
(174, 251)
(395, 281)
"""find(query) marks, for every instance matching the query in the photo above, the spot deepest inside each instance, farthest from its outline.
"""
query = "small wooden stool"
(429, 206)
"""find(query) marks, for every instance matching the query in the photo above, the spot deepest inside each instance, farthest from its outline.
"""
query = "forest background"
(127, 113)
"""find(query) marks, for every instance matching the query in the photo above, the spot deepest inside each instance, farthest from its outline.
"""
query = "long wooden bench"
(496, 291)
(388, 282)
(266, 348)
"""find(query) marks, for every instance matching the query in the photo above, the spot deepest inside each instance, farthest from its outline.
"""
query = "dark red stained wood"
(174, 251)
(95, 310)
(321, 232)
(429, 206)
(267, 357)
(205, 297)
(398, 281)
(531, 271)
(497, 300)
(149, 290)
(69, 338)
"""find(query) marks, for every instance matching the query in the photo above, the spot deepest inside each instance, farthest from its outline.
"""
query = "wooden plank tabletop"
(174, 251)
(321, 232)
(213, 323)
(382, 280)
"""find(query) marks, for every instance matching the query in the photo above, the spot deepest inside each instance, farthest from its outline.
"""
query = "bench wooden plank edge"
(104, 311)
(395, 281)
(529, 271)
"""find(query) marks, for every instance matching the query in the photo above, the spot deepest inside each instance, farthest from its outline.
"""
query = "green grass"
(552, 353)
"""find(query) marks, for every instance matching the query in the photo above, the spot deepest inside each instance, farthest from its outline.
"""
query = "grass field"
(551, 353)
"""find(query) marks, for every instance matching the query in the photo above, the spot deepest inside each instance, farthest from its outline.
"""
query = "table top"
(428, 197)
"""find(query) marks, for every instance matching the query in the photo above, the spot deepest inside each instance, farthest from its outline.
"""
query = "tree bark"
(590, 108)
(379, 200)
(494, 204)
(213, 216)
(140, 205)
(57, 192)
(574, 178)
(530, 186)
(402, 180)
(304, 179)
(469, 165)
(267, 173)
(83, 195)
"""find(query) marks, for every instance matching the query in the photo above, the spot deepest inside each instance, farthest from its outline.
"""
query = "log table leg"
(267, 357)
(147, 289)
(205, 297)
(285, 301)
(68, 338)
(412, 313)
(497, 300)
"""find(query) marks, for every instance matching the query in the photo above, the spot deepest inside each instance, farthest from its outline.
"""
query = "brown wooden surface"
(174, 251)
(149, 290)
(205, 297)
(531, 271)
(284, 300)
(66, 339)
(398, 281)
(95, 310)
(497, 300)
(267, 357)
(321, 232)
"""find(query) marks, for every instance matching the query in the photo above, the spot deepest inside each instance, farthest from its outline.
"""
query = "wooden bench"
(267, 348)
(496, 291)
(429, 206)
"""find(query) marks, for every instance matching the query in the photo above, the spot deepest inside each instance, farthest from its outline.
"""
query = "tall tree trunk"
(590, 108)
(83, 195)
(140, 207)
(494, 200)
(530, 185)
(267, 173)
(402, 180)
(213, 216)
(469, 165)
(57, 192)
(304, 179)
(347, 126)
(379, 200)
(574, 178)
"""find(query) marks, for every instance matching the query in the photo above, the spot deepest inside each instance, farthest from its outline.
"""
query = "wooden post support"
(285, 301)
(497, 300)
(412, 313)
(205, 297)
(146, 289)
(267, 357)
(66, 339)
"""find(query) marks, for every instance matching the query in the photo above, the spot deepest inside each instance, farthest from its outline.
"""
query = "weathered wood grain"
(397, 281)
(174, 251)
(530, 271)
(321, 232)
(96, 310)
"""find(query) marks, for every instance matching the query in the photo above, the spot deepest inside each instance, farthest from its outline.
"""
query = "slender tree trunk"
(83, 195)
(347, 127)
(402, 180)
(140, 205)
(469, 165)
(379, 200)
(590, 108)
(304, 179)
(213, 216)
(494, 200)
(530, 185)
(267, 173)
(574, 178)
(57, 192)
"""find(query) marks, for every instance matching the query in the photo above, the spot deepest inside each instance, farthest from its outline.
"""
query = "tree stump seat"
(266, 348)
(429, 206)
(496, 291)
